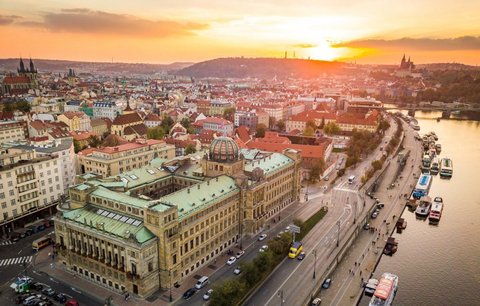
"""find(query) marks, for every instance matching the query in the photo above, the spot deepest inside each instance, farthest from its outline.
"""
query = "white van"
(351, 179)
(201, 282)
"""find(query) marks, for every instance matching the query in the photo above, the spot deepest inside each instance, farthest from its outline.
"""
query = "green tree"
(377, 165)
(309, 131)
(228, 292)
(190, 149)
(264, 261)
(383, 125)
(331, 128)
(77, 147)
(8, 107)
(250, 274)
(281, 125)
(261, 129)
(167, 123)
(229, 113)
(316, 170)
(157, 132)
(24, 106)
(322, 124)
(94, 141)
(186, 123)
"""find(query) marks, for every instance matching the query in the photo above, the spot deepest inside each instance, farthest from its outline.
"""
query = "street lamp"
(280, 295)
(315, 264)
(338, 232)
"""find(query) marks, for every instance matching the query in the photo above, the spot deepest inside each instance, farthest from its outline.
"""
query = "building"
(155, 226)
(152, 120)
(76, 121)
(101, 126)
(30, 187)
(106, 109)
(359, 121)
(251, 118)
(72, 106)
(23, 82)
(362, 105)
(110, 161)
(12, 131)
(406, 64)
(299, 121)
(128, 123)
(218, 125)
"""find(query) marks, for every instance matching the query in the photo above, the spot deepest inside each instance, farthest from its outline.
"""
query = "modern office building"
(154, 226)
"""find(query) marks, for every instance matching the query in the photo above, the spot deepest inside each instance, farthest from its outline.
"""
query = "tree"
(377, 165)
(190, 149)
(264, 261)
(322, 124)
(228, 292)
(309, 131)
(229, 114)
(8, 107)
(261, 129)
(94, 141)
(77, 147)
(311, 123)
(331, 128)
(24, 106)
(167, 123)
(249, 274)
(185, 123)
(281, 125)
(383, 125)
(317, 170)
(157, 132)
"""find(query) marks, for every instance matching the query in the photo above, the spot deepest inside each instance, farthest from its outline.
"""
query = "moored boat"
(436, 210)
(385, 291)
(423, 207)
(438, 148)
(435, 167)
(446, 167)
(390, 247)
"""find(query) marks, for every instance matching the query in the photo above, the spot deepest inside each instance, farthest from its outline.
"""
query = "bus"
(41, 243)
(295, 249)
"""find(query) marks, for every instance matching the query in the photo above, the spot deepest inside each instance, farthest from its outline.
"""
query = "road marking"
(15, 260)
(6, 242)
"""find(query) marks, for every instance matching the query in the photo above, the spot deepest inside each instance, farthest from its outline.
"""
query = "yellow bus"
(295, 249)
(41, 243)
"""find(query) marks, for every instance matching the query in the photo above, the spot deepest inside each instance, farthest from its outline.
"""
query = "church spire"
(32, 67)
(21, 69)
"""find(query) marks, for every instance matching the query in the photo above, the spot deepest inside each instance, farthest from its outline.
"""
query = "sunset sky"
(165, 31)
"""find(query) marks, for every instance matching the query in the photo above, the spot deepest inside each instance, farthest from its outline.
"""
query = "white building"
(106, 109)
(11, 131)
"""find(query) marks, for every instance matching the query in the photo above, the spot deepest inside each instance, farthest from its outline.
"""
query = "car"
(301, 256)
(240, 254)
(326, 283)
(237, 271)
(188, 294)
(231, 260)
(287, 229)
(20, 298)
(207, 294)
(366, 226)
(62, 298)
(370, 194)
(262, 237)
(374, 215)
(316, 302)
(72, 302)
(45, 303)
(263, 248)
(279, 235)
(48, 291)
(33, 302)
(326, 178)
(37, 286)
(380, 205)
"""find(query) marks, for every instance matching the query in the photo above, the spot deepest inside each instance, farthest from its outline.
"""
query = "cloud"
(82, 20)
(8, 19)
(457, 43)
(304, 46)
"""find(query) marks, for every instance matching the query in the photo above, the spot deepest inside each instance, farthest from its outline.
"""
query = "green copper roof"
(111, 222)
(270, 164)
(199, 196)
(102, 192)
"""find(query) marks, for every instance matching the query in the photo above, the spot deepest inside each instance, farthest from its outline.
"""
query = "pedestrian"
(361, 274)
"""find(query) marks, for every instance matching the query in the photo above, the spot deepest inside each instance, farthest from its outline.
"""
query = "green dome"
(223, 149)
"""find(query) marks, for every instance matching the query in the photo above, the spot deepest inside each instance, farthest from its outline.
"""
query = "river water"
(440, 265)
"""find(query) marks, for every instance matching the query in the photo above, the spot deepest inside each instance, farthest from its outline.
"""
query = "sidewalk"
(363, 256)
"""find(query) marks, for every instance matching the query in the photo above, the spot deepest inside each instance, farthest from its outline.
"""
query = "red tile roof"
(127, 119)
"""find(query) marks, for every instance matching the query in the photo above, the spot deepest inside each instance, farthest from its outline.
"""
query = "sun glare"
(324, 52)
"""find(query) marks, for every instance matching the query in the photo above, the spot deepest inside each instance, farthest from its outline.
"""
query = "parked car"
(326, 283)
(72, 302)
(231, 260)
(188, 294)
(366, 226)
(62, 298)
(287, 229)
(380, 205)
(48, 291)
(301, 256)
(262, 237)
(237, 271)
(207, 294)
(37, 286)
(316, 302)
(374, 215)
(240, 254)
(263, 248)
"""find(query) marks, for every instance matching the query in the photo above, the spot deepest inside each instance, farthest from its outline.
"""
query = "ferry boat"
(423, 207)
(446, 167)
(436, 211)
(426, 162)
(423, 186)
(435, 166)
(385, 291)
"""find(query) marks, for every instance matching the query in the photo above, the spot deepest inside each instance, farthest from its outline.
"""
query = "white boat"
(446, 167)
(423, 186)
(385, 291)
(435, 166)
(426, 162)
(423, 207)
(436, 210)
(371, 286)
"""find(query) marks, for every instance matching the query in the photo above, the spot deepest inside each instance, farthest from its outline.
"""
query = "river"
(440, 265)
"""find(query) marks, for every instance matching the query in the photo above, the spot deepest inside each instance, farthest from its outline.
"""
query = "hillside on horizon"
(239, 67)
(62, 66)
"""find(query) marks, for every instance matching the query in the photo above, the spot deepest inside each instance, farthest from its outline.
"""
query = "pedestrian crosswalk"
(6, 242)
(15, 260)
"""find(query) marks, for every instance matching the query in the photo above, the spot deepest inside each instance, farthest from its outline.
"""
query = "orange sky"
(176, 30)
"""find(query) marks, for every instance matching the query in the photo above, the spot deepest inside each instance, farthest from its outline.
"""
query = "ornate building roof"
(223, 149)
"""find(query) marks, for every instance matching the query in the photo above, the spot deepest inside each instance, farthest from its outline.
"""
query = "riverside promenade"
(363, 256)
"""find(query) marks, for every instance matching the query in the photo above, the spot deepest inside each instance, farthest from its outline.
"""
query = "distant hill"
(62, 66)
(260, 68)
(447, 66)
